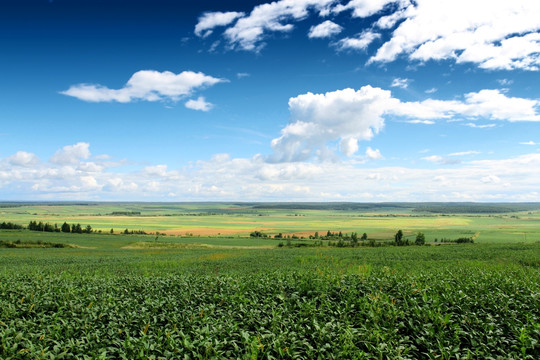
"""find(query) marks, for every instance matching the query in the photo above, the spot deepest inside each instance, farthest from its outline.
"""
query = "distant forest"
(388, 207)
(438, 208)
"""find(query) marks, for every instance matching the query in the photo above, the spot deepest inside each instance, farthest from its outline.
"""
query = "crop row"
(468, 312)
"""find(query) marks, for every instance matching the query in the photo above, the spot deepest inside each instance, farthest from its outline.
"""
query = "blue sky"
(292, 100)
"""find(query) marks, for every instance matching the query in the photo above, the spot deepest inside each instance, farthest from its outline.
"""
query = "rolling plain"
(197, 285)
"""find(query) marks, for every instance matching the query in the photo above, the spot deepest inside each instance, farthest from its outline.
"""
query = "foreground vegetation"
(101, 295)
(469, 301)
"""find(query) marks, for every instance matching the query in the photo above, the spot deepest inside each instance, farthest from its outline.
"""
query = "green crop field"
(222, 294)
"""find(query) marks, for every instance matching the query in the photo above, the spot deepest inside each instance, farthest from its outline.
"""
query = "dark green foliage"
(398, 238)
(461, 240)
(258, 234)
(364, 237)
(66, 228)
(420, 239)
(125, 213)
(76, 228)
(131, 232)
(30, 244)
(45, 227)
(10, 226)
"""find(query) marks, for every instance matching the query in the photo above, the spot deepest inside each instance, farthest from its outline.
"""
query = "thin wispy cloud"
(464, 153)
(400, 83)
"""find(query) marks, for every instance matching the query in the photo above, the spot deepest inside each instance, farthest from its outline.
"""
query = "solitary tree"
(66, 228)
(398, 238)
(364, 237)
(420, 239)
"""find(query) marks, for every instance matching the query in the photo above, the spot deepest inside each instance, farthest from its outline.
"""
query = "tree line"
(10, 226)
(65, 228)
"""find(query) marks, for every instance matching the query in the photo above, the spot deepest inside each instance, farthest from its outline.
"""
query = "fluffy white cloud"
(365, 8)
(149, 85)
(487, 104)
(253, 179)
(495, 105)
(495, 34)
(373, 154)
(361, 42)
(249, 31)
(349, 116)
(71, 154)
(199, 104)
(348, 146)
(210, 20)
(324, 30)
(23, 158)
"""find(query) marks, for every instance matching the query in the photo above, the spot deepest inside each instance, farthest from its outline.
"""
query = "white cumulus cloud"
(360, 42)
(324, 30)
(347, 115)
(23, 158)
(210, 20)
(149, 85)
(365, 8)
(71, 154)
(373, 154)
(226, 178)
(495, 34)
(248, 32)
(348, 146)
(199, 104)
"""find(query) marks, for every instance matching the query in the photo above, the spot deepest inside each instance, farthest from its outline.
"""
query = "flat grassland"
(206, 290)
(489, 223)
